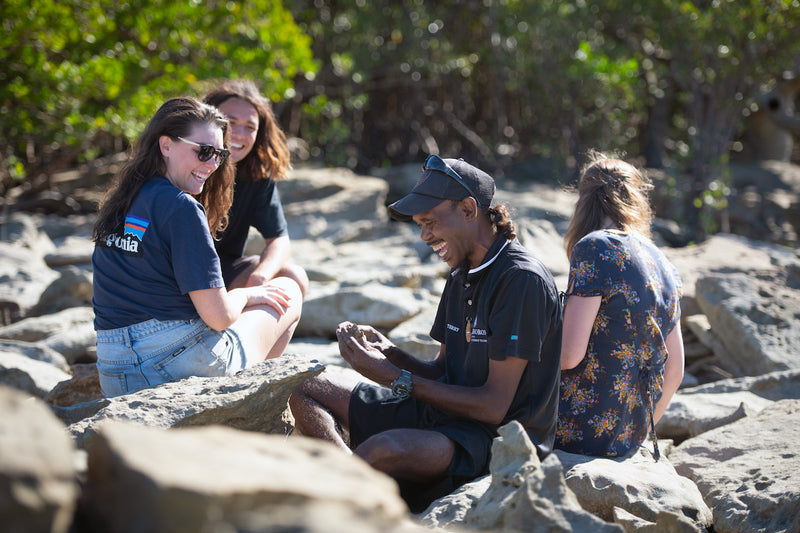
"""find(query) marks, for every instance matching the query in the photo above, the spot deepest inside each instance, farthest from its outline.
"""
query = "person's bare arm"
(274, 257)
(673, 371)
(372, 338)
(220, 308)
(486, 403)
(579, 316)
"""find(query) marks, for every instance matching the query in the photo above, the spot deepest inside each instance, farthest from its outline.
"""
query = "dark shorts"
(233, 266)
(374, 410)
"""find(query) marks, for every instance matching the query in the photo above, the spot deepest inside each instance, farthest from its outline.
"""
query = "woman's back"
(604, 399)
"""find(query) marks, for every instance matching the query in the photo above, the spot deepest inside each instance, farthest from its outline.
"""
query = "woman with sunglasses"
(622, 350)
(259, 150)
(162, 312)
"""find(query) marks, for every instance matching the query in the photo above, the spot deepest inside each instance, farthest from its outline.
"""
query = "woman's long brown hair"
(270, 156)
(175, 118)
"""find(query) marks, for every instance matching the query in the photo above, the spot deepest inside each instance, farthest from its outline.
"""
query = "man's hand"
(258, 278)
(366, 357)
(372, 338)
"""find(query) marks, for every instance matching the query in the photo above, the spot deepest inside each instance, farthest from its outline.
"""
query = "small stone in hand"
(356, 332)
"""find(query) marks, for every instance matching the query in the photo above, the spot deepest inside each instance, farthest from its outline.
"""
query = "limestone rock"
(321, 202)
(759, 315)
(34, 350)
(221, 479)
(636, 483)
(254, 399)
(747, 471)
(73, 288)
(77, 345)
(83, 386)
(25, 276)
(723, 253)
(699, 409)
(38, 483)
(36, 378)
(666, 522)
(413, 335)
(70, 332)
(381, 306)
(525, 494)
(72, 250)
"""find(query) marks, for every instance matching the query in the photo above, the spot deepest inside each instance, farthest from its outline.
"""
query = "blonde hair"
(609, 189)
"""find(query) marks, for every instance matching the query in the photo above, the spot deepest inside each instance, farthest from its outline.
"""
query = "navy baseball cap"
(445, 179)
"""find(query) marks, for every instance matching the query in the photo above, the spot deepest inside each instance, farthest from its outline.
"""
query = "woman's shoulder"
(603, 239)
(162, 200)
(164, 192)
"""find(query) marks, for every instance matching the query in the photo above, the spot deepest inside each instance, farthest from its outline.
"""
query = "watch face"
(401, 387)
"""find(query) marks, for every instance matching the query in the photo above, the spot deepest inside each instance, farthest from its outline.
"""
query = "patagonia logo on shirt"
(130, 242)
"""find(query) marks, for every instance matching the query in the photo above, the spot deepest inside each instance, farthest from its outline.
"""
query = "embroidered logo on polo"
(472, 332)
(478, 334)
(130, 242)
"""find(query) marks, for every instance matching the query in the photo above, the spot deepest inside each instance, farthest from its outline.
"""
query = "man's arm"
(487, 403)
(275, 255)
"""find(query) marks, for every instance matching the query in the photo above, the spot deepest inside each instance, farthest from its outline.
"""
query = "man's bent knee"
(328, 392)
(383, 452)
(413, 454)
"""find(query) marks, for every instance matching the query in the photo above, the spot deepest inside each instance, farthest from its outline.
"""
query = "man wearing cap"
(431, 424)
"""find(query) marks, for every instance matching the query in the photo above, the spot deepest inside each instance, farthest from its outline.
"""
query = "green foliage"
(493, 81)
(75, 73)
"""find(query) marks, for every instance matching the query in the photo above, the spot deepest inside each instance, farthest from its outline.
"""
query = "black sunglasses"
(207, 151)
(434, 162)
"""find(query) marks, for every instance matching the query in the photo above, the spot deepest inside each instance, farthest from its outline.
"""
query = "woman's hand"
(270, 295)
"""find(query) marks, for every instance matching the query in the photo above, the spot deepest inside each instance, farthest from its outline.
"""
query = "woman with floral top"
(622, 350)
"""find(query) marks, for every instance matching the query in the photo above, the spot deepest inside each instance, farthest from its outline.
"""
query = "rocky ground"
(218, 454)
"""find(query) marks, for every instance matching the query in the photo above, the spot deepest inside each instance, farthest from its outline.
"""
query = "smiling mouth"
(199, 177)
(235, 146)
(440, 248)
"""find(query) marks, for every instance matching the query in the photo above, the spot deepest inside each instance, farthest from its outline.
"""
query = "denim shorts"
(154, 352)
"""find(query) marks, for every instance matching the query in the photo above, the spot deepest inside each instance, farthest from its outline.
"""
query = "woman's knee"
(298, 274)
(291, 313)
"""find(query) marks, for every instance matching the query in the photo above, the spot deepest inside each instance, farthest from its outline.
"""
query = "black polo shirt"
(513, 309)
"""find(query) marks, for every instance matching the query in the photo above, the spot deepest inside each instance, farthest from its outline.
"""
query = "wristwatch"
(401, 387)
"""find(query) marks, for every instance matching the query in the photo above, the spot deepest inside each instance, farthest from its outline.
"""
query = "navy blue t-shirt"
(510, 306)
(257, 204)
(147, 269)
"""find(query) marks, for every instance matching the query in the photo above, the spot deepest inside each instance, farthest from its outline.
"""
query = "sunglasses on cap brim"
(206, 151)
(434, 162)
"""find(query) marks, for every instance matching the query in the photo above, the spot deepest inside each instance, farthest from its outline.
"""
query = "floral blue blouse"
(605, 400)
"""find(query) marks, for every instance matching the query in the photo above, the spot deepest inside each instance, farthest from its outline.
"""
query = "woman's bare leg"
(265, 333)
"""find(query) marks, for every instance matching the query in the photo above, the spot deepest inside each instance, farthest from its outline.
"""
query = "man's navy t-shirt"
(148, 268)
